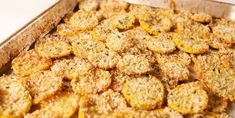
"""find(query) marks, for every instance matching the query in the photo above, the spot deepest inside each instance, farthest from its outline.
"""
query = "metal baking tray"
(48, 20)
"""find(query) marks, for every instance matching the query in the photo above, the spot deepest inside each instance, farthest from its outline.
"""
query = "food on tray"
(162, 43)
(53, 47)
(95, 81)
(42, 85)
(62, 105)
(113, 59)
(72, 68)
(119, 42)
(95, 105)
(134, 64)
(144, 92)
(15, 99)
(189, 98)
(29, 62)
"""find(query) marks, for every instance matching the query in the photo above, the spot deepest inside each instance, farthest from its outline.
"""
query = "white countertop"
(14, 14)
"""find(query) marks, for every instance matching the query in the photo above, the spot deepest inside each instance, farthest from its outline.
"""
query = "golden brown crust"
(62, 105)
(189, 98)
(95, 105)
(145, 92)
(15, 99)
(93, 82)
(53, 46)
(134, 65)
(29, 62)
(42, 85)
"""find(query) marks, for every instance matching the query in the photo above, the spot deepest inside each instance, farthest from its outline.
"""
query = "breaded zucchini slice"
(134, 64)
(102, 31)
(225, 30)
(113, 7)
(154, 24)
(96, 105)
(71, 68)
(42, 85)
(175, 71)
(83, 48)
(144, 92)
(188, 98)
(139, 37)
(53, 46)
(192, 27)
(62, 105)
(179, 56)
(15, 99)
(118, 79)
(105, 58)
(97, 81)
(123, 21)
(190, 43)
(216, 42)
(88, 5)
(162, 43)
(201, 17)
(221, 81)
(83, 20)
(67, 30)
(119, 42)
(29, 62)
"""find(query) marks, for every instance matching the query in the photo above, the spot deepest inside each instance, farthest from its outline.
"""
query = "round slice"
(94, 82)
(145, 92)
(188, 26)
(225, 30)
(53, 47)
(190, 43)
(29, 62)
(221, 81)
(201, 17)
(67, 30)
(162, 43)
(101, 32)
(105, 59)
(73, 67)
(119, 42)
(139, 37)
(62, 105)
(95, 105)
(113, 7)
(88, 5)
(15, 99)
(42, 85)
(124, 21)
(154, 24)
(83, 20)
(118, 79)
(179, 56)
(134, 64)
(216, 42)
(82, 48)
(189, 98)
(175, 71)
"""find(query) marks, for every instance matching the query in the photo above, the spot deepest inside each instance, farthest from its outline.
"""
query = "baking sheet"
(23, 39)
